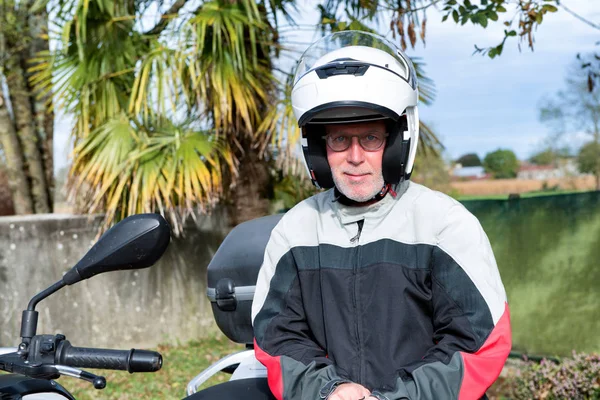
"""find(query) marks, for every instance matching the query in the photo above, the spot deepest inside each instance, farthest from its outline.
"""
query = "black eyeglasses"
(368, 141)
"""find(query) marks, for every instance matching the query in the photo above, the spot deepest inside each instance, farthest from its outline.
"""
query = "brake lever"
(99, 382)
(14, 363)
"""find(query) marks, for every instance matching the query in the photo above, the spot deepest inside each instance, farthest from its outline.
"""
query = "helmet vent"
(347, 68)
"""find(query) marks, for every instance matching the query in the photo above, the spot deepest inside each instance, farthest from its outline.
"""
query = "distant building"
(537, 172)
(564, 168)
(460, 173)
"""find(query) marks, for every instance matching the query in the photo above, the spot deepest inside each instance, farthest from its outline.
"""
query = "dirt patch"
(505, 186)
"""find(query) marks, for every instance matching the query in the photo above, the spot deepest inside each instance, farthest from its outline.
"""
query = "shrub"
(502, 164)
(576, 378)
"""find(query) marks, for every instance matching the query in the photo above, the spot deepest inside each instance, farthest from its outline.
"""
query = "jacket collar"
(348, 214)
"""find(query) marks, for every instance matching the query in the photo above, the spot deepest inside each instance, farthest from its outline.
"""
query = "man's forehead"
(357, 127)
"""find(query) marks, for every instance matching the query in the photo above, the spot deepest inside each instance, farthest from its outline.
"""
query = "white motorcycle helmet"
(355, 76)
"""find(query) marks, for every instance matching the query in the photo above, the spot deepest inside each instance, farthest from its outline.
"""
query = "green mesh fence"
(548, 253)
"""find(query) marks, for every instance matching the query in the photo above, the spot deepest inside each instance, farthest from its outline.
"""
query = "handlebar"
(125, 360)
(48, 357)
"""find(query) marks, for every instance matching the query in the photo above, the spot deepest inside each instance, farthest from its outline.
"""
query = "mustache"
(354, 171)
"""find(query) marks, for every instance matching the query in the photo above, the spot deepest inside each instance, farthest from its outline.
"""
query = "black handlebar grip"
(125, 360)
(144, 361)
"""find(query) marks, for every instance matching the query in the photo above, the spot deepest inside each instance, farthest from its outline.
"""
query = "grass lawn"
(521, 195)
(180, 364)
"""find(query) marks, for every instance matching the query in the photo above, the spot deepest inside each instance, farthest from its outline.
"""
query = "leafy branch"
(530, 14)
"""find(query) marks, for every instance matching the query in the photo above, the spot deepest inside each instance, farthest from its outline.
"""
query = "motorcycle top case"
(232, 275)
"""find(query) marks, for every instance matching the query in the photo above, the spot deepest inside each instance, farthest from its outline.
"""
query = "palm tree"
(153, 117)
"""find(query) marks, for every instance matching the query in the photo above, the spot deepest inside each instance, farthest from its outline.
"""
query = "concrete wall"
(120, 309)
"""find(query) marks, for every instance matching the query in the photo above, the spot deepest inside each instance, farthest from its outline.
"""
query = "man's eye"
(339, 139)
(373, 138)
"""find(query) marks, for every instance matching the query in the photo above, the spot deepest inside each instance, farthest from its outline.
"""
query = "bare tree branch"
(579, 17)
(164, 19)
(411, 10)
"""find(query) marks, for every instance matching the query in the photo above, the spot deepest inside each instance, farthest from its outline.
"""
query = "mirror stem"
(30, 316)
(43, 294)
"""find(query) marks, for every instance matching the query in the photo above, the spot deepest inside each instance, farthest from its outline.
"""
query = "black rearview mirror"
(136, 242)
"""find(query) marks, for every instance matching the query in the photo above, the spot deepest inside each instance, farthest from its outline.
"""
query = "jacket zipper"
(356, 240)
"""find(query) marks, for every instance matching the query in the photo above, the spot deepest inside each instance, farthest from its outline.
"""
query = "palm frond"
(279, 126)
(234, 81)
(429, 143)
(166, 167)
(427, 90)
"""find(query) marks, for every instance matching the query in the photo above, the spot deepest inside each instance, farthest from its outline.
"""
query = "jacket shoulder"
(308, 209)
(435, 211)
(424, 199)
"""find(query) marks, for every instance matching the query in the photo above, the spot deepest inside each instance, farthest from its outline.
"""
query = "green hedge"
(548, 253)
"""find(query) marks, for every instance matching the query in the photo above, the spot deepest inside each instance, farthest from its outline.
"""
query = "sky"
(482, 104)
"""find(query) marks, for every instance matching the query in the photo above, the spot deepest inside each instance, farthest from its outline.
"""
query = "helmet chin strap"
(339, 196)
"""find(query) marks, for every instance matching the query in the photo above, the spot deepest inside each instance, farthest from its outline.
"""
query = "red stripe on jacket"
(483, 367)
(273, 365)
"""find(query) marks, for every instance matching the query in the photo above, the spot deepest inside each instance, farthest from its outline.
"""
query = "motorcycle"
(136, 242)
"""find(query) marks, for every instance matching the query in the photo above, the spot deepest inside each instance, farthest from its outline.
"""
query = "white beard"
(359, 192)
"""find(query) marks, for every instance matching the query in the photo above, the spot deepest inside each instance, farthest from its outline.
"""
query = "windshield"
(336, 46)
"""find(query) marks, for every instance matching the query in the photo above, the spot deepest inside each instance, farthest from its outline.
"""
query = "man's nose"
(356, 154)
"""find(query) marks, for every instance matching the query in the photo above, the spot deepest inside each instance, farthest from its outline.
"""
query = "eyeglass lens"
(369, 142)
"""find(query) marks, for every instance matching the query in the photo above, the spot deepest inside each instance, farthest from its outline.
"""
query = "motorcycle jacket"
(402, 296)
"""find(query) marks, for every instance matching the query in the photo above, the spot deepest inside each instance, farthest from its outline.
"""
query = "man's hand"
(349, 391)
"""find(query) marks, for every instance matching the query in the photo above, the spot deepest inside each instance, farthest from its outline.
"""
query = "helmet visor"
(355, 46)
